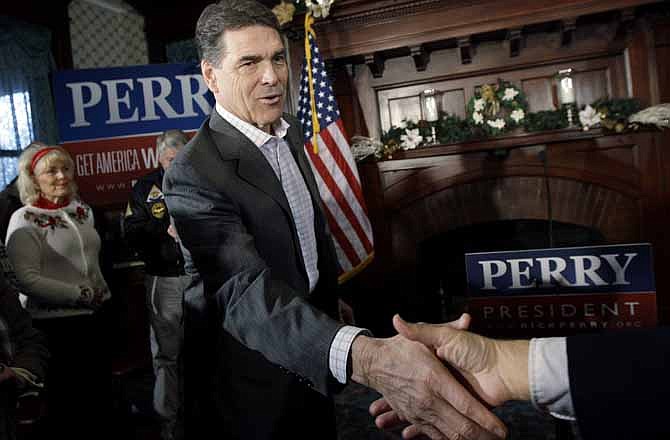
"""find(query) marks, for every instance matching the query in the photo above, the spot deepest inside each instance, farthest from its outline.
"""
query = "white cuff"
(548, 377)
(339, 351)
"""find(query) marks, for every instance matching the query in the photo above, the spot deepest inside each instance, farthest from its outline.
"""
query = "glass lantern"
(431, 103)
(565, 88)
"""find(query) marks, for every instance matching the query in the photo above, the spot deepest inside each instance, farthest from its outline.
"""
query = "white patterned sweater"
(55, 253)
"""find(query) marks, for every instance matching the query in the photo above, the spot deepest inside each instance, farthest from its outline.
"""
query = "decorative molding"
(568, 28)
(421, 57)
(382, 15)
(465, 50)
(515, 40)
(375, 63)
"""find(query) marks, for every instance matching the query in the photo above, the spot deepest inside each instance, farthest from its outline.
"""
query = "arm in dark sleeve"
(140, 227)
(29, 344)
(254, 305)
(619, 383)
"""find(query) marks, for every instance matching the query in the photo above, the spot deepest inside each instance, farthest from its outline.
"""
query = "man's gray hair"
(170, 139)
(228, 15)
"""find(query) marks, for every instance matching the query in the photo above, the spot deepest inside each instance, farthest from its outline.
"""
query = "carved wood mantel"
(616, 184)
(363, 27)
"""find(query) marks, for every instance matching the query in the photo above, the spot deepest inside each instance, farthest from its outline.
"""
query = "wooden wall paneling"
(662, 52)
(616, 76)
(639, 59)
(591, 85)
(454, 102)
(539, 93)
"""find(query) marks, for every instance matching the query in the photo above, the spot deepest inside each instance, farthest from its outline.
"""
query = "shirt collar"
(253, 133)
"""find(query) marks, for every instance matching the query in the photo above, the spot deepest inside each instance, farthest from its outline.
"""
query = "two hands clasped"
(91, 297)
(456, 377)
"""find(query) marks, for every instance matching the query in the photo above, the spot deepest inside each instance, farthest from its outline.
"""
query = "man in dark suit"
(613, 385)
(263, 350)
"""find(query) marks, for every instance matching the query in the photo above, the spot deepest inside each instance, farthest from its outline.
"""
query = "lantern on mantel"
(565, 88)
(431, 104)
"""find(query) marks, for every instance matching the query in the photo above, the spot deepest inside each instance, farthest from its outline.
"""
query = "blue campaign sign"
(583, 270)
(126, 101)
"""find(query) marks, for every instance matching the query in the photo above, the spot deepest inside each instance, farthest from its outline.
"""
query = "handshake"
(440, 380)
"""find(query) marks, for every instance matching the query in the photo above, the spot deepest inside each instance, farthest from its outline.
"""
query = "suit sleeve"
(254, 306)
(620, 384)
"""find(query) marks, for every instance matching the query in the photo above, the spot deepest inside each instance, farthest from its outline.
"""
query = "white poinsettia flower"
(479, 104)
(498, 123)
(319, 8)
(403, 124)
(589, 117)
(411, 139)
(510, 94)
(478, 118)
(517, 115)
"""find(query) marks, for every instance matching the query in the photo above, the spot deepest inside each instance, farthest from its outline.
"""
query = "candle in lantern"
(430, 105)
(566, 89)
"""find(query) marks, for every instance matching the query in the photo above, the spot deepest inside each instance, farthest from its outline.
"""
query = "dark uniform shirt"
(145, 225)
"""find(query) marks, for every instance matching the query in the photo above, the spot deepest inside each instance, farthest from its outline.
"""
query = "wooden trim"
(388, 25)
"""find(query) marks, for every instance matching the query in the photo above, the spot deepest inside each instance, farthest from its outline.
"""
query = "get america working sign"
(109, 119)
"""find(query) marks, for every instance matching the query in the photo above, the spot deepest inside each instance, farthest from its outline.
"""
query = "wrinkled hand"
(420, 390)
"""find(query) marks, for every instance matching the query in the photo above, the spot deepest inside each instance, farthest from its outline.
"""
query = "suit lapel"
(252, 165)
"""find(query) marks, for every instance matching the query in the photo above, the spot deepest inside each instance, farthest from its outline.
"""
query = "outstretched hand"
(418, 389)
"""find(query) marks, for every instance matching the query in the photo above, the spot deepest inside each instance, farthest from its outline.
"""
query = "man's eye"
(280, 59)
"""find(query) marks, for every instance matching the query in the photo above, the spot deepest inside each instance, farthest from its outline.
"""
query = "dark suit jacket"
(620, 384)
(254, 311)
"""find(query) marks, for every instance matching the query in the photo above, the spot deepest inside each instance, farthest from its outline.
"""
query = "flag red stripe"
(342, 163)
(339, 198)
(342, 238)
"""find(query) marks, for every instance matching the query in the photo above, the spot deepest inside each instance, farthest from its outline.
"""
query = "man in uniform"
(147, 229)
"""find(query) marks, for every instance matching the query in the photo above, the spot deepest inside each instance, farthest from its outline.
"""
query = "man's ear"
(209, 75)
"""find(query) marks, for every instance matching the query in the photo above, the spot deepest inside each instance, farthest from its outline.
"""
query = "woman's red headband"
(40, 154)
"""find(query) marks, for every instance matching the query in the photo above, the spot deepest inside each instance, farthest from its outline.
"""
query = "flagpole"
(309, 20)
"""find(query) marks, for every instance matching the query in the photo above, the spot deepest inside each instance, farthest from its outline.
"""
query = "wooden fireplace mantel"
(618, 185)
(364, 27)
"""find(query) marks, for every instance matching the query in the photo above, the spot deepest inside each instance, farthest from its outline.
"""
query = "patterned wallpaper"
(103, 37)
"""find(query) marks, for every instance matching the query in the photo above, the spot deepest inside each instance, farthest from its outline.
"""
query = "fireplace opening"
(440, 293)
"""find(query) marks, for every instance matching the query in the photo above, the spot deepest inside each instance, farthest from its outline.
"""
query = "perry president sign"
(109, 119)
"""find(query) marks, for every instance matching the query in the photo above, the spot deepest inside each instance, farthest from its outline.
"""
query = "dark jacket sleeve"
(30, 351)
(141, 229)
(620, 384)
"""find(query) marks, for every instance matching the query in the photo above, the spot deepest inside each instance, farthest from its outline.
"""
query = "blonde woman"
(52, 244)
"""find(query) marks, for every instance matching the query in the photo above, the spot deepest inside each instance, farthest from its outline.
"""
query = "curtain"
(26, 103)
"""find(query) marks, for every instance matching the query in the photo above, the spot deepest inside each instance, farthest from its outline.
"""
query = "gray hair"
(228, 15)
(29, 191)
(170, 139)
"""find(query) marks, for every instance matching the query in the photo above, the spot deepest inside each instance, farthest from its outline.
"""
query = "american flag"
(333, 165)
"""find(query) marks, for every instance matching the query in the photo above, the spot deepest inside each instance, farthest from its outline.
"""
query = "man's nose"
(269, 75)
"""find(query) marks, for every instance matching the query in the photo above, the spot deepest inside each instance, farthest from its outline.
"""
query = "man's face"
(251, 79)
(167, 156)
